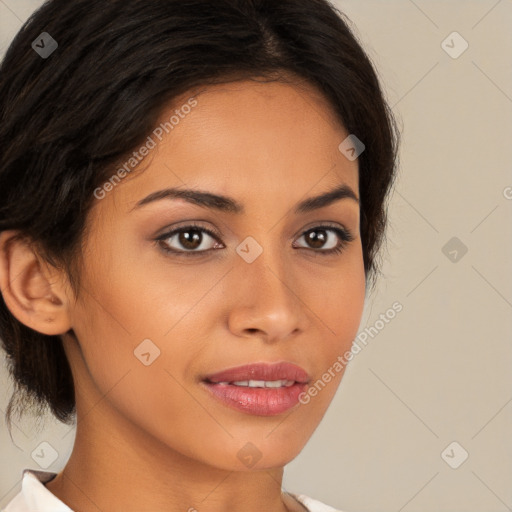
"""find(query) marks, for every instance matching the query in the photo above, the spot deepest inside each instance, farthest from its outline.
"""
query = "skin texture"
(150, 437)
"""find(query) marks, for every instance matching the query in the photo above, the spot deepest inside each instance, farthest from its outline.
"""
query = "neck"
(132, 471)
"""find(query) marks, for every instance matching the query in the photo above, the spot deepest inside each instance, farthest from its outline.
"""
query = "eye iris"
(316, 238)
(190, 241)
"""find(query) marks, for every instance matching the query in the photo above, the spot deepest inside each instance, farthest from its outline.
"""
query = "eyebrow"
(230, 205)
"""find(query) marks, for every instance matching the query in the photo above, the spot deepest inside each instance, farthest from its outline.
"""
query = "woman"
(192, 199)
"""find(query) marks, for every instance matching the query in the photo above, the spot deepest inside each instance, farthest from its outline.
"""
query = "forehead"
(245, 139)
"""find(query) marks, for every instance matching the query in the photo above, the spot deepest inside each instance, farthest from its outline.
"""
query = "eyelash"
(345, 236)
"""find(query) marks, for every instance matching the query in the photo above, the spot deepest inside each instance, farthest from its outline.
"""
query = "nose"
(266, 301)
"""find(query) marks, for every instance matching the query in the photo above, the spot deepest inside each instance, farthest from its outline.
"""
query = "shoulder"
(313, 505)
(34, 495)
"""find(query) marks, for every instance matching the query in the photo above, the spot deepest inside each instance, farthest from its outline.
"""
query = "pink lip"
(258, 401)
(261, 371)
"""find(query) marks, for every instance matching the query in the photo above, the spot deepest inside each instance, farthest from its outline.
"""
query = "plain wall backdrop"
(434, 384)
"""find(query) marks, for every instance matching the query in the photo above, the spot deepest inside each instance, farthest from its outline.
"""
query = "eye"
(191, 240)
(329, 239)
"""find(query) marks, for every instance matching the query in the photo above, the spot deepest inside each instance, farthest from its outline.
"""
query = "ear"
(36, 293)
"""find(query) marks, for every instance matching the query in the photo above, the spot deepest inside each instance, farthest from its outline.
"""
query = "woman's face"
(152, 324)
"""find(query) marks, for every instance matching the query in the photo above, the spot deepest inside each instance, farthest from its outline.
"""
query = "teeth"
(263, 383)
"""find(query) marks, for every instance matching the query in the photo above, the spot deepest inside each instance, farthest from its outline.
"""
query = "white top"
(35, 497)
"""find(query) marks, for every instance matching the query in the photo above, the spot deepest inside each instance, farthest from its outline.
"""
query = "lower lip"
(257, 401)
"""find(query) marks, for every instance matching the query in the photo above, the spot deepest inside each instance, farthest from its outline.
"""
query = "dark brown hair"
(65, 120)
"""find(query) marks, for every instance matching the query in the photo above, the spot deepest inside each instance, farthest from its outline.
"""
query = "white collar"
(34, 496)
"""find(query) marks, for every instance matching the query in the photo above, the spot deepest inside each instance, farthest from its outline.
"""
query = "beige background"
(440, 371)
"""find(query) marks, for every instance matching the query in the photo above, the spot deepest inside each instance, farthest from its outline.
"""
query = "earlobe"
(32, 290)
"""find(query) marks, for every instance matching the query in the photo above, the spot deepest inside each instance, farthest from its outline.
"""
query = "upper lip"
(261, 371)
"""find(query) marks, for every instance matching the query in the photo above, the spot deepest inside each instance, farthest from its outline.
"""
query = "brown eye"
(194, 240)
(189, 240)
(326, 239)
(317, 238)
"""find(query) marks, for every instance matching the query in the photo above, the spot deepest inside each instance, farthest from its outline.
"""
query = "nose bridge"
(268, 271)
(265, 299)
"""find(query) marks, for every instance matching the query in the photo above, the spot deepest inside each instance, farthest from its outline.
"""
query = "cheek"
(125, 356)
(340, 304)
(341, 309)
(132, 314)
(339, 299)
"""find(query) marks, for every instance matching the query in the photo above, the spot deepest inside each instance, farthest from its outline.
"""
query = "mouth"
(258, 383)
(262, 389)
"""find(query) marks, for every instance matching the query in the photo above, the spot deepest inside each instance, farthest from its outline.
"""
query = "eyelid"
(327, 224)
(170, 230)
